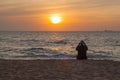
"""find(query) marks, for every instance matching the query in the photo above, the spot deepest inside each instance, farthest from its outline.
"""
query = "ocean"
(29, 45)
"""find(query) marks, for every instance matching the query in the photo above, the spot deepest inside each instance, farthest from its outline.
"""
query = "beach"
(59, 70)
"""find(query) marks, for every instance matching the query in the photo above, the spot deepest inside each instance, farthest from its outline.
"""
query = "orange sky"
(77, 15)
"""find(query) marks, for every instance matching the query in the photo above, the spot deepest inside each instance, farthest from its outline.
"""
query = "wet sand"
(59, 70)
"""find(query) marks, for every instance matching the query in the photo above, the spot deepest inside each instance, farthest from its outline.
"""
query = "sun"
(55, 19)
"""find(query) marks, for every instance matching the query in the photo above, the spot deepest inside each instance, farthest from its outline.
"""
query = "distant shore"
(59, 70)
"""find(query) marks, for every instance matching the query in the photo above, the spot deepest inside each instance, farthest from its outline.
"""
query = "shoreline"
(59, 59)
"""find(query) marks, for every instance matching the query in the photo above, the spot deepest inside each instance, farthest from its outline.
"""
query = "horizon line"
(59, 31)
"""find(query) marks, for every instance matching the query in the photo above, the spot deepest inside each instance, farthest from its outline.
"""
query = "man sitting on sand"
(82, 50)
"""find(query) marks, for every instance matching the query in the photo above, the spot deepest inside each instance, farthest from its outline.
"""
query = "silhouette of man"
(82, 50)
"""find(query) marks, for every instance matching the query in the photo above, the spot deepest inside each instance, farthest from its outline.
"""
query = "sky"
(76, 15)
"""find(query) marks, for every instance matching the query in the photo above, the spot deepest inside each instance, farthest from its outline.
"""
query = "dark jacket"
(82, 51)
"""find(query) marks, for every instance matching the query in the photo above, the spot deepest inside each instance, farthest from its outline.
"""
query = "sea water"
(103, 45)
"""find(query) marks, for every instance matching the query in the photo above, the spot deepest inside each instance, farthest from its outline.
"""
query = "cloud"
(22, 7)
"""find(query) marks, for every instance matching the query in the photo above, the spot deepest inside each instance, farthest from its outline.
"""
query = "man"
(82, 50)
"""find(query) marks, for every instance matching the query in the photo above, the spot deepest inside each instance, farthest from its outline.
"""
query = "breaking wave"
(60, 42)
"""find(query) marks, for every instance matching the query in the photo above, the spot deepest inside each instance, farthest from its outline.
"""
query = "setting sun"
(56, 19)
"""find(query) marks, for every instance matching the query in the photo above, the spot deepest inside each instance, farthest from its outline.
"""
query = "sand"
(59, 70)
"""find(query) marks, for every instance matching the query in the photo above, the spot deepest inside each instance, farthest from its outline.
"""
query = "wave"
(36, 50)
(60, 42)
(42, 53)
(39, 53)
(36, 53)
(30, 40)
(8, 49)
